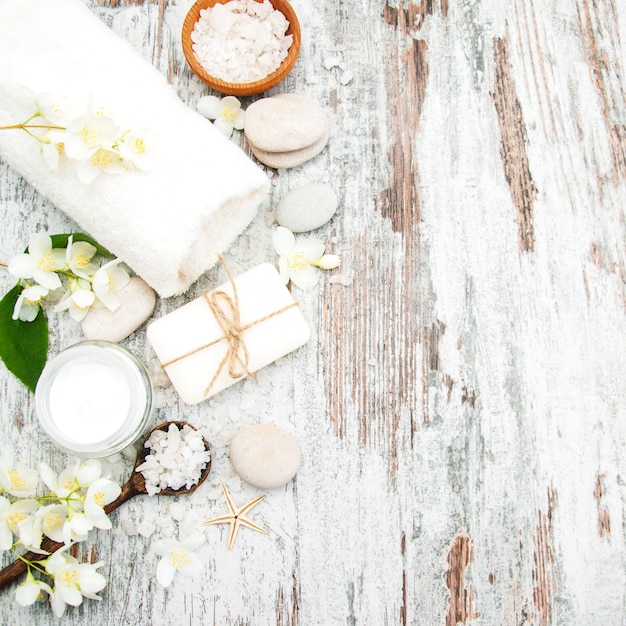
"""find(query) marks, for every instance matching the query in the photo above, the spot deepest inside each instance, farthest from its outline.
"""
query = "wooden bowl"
(242, 89)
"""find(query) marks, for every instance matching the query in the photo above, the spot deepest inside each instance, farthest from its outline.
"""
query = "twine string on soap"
(225, 309)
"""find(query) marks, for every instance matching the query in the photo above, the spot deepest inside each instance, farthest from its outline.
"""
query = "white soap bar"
(191, 345)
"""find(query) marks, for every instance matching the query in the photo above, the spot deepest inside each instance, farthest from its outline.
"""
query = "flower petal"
(88, 472)
(231, 102)
(50, 154)
(22, 266)
(223, 126)
(311, 248)
(283, 269)
(6, 537)
(284, 240)
(57, 604)
(162, 546)
(192, 566)
(194, 541)
(306, 278)
(239, 120)
(39, 244)
(165, 572)
(328, 262)
(209, 106)
(47, 279)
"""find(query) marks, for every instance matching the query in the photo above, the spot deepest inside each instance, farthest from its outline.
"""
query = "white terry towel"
(167, 223)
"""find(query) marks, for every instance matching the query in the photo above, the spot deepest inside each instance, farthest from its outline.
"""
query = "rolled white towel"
(167, 223)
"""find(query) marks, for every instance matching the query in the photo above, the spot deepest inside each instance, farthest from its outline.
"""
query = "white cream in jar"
(93, 399)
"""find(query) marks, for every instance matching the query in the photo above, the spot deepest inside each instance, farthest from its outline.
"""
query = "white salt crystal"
(330, 62)
(146, 528)
(177, 511)
(241, 42)
(340, 279)
(346, 77)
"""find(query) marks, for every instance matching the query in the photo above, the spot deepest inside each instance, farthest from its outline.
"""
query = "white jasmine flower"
(108, 279)
(299, 259)
(6, 535)
(29, 530)
(72, 581)
(78, 257)
(100, 493)
(28, 303)
(21, 483)
(178, 556)
(55, 108)
(30, 591)
(88, 472)
(86, 135)
(100, 161)
(77, 299)
(137, 147)
(61, 485)
(18, 518)
(52, 519)
(226, 112)
(76, 527)
(40, 263)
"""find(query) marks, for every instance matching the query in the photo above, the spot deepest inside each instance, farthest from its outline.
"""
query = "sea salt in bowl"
(230, 87)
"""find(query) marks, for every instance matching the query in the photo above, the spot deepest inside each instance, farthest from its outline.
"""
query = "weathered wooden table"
(461, 406)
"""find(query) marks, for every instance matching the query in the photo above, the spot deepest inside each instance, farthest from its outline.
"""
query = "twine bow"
(225, 309)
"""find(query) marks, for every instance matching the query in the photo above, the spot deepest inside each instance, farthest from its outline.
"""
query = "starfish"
(237, 517)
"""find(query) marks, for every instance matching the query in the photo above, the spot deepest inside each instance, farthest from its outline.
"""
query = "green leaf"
(23, 345)
(60, 241)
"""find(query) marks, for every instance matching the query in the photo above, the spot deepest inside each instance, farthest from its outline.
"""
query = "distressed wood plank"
(461, 406)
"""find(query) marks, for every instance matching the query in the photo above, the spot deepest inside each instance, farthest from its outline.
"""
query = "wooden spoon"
(135, 485)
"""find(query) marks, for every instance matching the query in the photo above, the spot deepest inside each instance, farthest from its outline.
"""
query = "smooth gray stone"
(306, 208)
(265, 456)
(294, 158)
(137, 301)
(286, 123)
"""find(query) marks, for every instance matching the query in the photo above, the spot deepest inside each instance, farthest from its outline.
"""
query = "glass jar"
(94, 399)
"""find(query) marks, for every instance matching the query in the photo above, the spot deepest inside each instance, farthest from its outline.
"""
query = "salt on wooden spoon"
(135, 485)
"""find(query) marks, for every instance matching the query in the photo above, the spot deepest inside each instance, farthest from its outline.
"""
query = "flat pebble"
(137, 301)
(283, 124)
(294, 158)
(265, 456)
(307, 207)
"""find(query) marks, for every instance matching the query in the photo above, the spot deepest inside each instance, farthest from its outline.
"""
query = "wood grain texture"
(461, 406)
